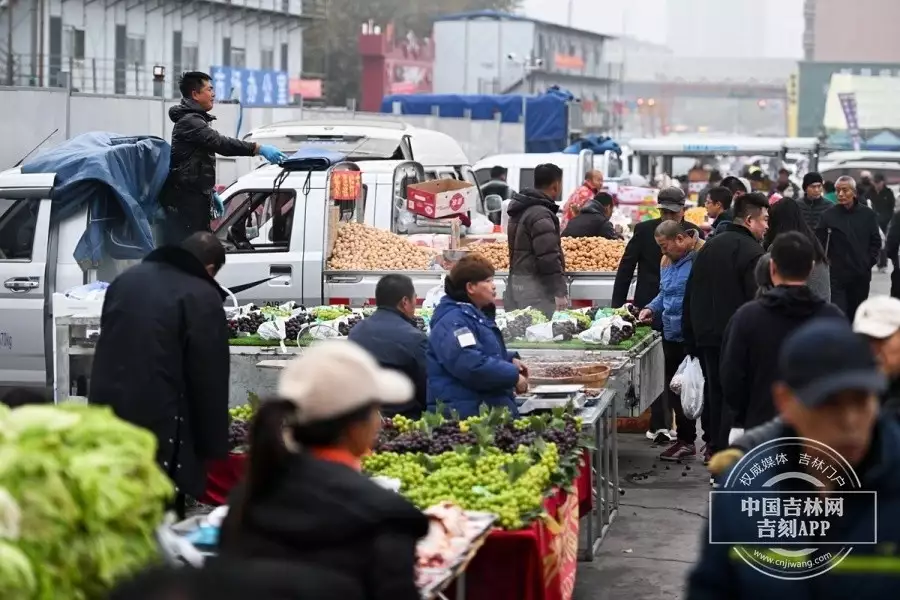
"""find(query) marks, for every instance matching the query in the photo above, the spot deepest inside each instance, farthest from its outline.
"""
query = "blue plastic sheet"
(546, 116)
(598, 144)
(119, 178)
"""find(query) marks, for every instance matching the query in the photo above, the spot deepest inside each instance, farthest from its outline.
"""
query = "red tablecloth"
(584, 488)
(535, 563)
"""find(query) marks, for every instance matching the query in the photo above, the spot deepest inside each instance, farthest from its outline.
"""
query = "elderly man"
(851, 238)
(593, 183)
(678, 246)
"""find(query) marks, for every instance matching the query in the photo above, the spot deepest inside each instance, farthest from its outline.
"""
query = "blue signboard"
(253, 87)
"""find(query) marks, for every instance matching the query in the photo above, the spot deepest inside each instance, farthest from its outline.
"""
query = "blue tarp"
(546, 116)
(598, 144)
(119, 178)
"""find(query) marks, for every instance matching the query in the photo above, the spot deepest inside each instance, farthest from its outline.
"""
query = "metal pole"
(571, 10)
(9, 44)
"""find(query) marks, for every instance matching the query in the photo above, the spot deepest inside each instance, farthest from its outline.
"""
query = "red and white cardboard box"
(441, 198)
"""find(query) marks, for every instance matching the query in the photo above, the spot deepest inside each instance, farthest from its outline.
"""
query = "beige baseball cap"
(878, 317)
(333, 378)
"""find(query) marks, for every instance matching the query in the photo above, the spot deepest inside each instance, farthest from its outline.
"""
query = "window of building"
(18, 222)
(73, 43)
(238, 58)
(257, 220)
(135, 50)
(190, 58)
(267, 59)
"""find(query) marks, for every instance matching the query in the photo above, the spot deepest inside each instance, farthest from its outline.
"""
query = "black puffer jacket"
(162, 361)
(536, 262)
(322, 520)
(813, 209)
(749, 363)
(192, 172)
(591, 222)
(722, 280)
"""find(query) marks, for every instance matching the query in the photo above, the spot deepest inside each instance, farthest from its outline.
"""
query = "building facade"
(112, 46)
(498, 53)
(862, 32)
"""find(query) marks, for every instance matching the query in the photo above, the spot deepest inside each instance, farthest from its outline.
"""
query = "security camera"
(511, 56)
(539, 62)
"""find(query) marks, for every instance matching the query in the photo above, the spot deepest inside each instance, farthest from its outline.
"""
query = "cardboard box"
(441, 198)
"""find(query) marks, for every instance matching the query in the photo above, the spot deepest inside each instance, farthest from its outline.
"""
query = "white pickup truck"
(274, 230)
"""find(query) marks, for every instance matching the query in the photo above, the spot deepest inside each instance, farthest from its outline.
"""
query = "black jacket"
(162, 361)
(721, 223)
(852, 241)
(892, 241)
(396, 343)
(883, 203)
(192, 171)
(813, 209)
(722, 280)
(642, 252)
(322, 518)
(590, 222)
(867, 573)
(536, 261)
(749, 362)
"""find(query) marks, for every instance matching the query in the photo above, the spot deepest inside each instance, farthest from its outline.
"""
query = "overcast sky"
(778, 29)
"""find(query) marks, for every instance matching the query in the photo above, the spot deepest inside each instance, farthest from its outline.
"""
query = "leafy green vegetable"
(89, 497)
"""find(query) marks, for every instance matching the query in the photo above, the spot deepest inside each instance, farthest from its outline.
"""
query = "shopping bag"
(692, 382)
(678, 378)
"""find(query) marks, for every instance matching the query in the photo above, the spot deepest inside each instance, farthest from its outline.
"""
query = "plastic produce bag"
(433, 296)
(272, 330)
(539, 333)
(481, 225)
(678, 379)
(692, 383)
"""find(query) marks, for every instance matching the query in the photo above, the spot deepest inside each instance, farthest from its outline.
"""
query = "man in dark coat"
(642, 251)
(813, 204)
(883, 203)
(827, 393)
(851, 238)
(749, 365)
(162, 360)
(391, 336)
(592, 219)
(189, 197)
(722, 280)
(536, 263)
(718, 208)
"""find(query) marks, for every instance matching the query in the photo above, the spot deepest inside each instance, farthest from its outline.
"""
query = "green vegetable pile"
(80, 498)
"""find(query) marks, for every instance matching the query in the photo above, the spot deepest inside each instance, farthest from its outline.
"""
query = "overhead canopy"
(546, 116)
(119, 179)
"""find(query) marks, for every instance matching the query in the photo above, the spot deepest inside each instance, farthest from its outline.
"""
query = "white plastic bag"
(692, 383)
(481, 225)
(539, 333)
(598, 332)
(678, 378)
(433, 296)
(272, 330)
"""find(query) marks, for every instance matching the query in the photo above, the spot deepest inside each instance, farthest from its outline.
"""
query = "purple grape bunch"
(238, 434)
(508, 439)
(567, 438)
(444, 438)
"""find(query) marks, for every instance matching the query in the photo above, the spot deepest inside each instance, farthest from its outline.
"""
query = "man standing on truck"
(162, 359)
(536, 263)
(189, 197)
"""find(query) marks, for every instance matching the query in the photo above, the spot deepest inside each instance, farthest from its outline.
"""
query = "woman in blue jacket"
(468, 363)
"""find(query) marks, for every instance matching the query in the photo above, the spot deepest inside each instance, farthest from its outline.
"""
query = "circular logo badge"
(785, 534)
(457, 201)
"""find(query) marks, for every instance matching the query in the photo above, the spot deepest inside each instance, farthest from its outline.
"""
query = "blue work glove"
(218, 205)
(272, 154)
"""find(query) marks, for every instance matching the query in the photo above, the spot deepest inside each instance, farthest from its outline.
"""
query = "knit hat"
(811, 178)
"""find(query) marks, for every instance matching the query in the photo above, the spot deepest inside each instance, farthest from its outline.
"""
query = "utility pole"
(571, 11)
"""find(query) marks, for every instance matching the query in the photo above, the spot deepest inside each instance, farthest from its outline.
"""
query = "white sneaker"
(661, 436)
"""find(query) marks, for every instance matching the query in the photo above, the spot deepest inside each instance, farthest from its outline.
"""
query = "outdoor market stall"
(534, 473)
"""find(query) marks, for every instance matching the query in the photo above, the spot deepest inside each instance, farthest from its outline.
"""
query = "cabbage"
(81, 496)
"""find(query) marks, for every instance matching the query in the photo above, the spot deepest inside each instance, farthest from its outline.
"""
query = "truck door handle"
(276, 270)
(22, 284)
